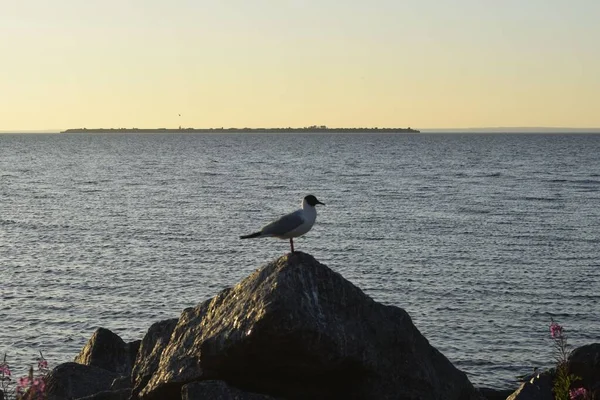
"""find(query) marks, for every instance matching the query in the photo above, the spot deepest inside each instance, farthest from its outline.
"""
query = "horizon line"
(491, 129)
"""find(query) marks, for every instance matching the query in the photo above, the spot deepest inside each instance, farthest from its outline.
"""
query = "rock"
(108, 351)
(584, 362)
(217, 390)
(122, 382)
(538, 388)
(72, 381)
(122, 394)
(298, 330)
(495, 394)
(151, 348)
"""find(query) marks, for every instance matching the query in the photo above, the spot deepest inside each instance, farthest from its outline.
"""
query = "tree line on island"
(307, 129)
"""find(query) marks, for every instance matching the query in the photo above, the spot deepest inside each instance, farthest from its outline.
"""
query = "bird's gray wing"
(283, 225)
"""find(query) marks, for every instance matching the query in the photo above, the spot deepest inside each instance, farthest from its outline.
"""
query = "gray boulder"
(494, 394)
(72, 381)
(538, 387)
(151, 349)
(296, 329)
(217, 390)
(584, 362)
(107, 350)
(122, 382)
(122, 394)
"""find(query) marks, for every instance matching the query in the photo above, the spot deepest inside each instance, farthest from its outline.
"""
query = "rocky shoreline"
(293, 329)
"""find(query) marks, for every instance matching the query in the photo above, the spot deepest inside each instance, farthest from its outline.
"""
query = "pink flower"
(39, 384)
(4, 370)
(42, 364)
(556, 330)
(23, 382)
(578, 393)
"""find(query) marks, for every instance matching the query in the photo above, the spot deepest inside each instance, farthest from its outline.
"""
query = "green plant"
(563, 380)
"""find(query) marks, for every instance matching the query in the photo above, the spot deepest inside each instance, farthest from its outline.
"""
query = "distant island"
(308, 129)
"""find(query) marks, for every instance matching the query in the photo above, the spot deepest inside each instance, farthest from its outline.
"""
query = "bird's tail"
(252, 235)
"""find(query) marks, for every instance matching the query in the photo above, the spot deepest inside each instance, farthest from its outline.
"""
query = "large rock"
(122, 382)
(584, 362)
(217, 390)
(72, 381)
(298, 330)
(151, 349)
(123, 394)
(539, 387)
(107, 350)
(494, 394)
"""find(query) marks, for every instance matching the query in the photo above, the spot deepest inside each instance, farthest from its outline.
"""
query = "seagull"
(291, 225)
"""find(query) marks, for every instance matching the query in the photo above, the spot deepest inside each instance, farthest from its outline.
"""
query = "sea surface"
(483, 239)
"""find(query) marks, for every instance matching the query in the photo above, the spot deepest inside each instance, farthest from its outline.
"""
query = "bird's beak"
(318, 202)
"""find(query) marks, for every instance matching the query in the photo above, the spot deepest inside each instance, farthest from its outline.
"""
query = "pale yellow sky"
(267, 63)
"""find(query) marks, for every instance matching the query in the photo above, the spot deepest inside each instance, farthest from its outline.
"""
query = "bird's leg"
(292, 244)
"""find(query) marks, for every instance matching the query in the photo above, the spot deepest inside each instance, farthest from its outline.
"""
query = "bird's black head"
(312, 200)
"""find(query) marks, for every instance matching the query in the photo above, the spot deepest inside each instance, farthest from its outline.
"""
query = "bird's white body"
(291, 225)
(308, 214)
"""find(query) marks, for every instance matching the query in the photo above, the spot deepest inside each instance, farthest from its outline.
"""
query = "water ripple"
(482, 239)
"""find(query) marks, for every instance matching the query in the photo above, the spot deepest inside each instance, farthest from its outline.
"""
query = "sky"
(279, 63)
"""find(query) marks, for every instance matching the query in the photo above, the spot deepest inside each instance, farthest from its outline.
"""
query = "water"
(482, 239)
